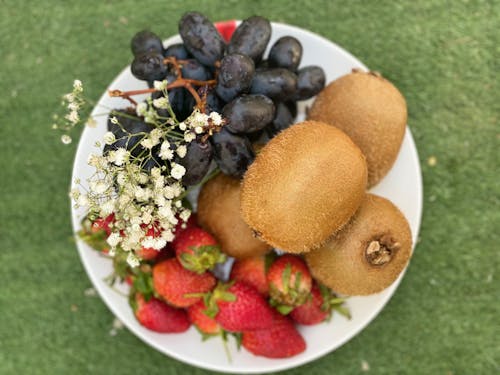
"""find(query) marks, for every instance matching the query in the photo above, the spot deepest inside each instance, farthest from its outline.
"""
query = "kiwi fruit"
(219, 213)
(368, 254)
(370, 110)
(303, 186)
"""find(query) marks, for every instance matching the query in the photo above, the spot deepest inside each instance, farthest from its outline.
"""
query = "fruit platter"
(249, 195)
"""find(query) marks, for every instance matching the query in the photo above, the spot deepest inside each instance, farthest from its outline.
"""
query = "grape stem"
(187, 83)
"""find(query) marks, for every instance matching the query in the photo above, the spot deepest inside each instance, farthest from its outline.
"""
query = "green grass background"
(443, 55)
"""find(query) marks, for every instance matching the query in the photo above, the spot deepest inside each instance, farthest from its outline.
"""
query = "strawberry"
(183, 225)
(281, 340)
(157, 316)
(239, 307)
(173, 283)
(289, 282)
(253, 272)
(197, 250)
(103, 224)
(207, 325)
(226, 29)
(318, 307)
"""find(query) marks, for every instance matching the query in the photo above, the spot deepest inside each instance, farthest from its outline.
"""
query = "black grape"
(192, 69)
(233, 153)
(131, 125)
(178, 51)
(145, 41)
(275, 83)
(235, 76)
(251, 37)
(248, 113)
(201, 38)
(196, 161)
(149, 66)
(292, 107)
(282, 119)
(310, 81)
(286, 53)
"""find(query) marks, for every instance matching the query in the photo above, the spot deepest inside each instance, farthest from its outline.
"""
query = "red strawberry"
(318, 307)
(289, 282)
(103, 224)
(160, 317)
(197, 250)
(253, 272)
(281, 340)
(205, 324)
(226, 29)
(183, 225)
(240, 307)
(312, 311)
(173, 282)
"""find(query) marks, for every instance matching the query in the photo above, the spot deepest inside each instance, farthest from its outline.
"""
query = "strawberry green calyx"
(220, 293)
(289, 291)
(202, 258)
(333, 303)
(95, 239)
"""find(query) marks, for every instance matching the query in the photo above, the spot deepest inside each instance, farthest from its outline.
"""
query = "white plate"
(403, 186)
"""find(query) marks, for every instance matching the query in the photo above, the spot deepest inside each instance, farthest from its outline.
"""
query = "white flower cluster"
(73, 103)
(141, 201)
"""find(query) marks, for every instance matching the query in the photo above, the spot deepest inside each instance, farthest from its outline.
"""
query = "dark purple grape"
(286, 53)
(149, 66)
(196, 161)
(235, 76)
(233, 153)
(177, 50)
(128, 124)
(310, 81)
(251, 37)
(192, 69)
(201, 38)
(275, 83)
(146, 41)
(282, 119)
(248, 113)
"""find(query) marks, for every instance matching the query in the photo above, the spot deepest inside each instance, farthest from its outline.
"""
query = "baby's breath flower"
(160, 85)
(120, 156)
(114, 239)
(132, 260)
(73, 117)
(198, 130)
(77, 85)
(189, 136)
(114, 120)
(216, 118)
(167, 235)
(141, 109)
(165, 152)
(182, 126)
(109, 138)
(91, 122)
(181, 151)
(82, 200)
(161, 103)
(177, 171)
(185, 214)
(66, 139)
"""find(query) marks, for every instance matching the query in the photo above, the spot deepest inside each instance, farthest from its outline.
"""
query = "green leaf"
(284, 309)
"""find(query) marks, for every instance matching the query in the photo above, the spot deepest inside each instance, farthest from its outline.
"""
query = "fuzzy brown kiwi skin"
(219, 213)
(304, 185)
(372, 111)
(368, 254)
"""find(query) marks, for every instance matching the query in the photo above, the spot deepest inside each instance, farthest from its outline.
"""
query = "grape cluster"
(257, 97)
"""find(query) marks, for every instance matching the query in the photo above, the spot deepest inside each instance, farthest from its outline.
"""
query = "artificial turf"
(443, 55)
